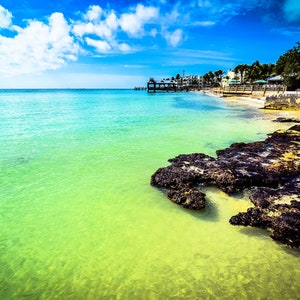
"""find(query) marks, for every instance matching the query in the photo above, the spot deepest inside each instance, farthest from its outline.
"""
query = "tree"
(241, 70)
(253, 72)
(267, 70)
(218, 75)
(206, 78)
(288, 66)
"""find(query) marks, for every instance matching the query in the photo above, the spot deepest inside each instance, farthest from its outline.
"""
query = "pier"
(167, 86)
(140, 88)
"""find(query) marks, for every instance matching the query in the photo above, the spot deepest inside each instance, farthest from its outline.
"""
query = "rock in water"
(270, 169)
(275, 209)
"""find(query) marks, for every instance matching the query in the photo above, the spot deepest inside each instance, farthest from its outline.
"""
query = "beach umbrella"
(233, 81)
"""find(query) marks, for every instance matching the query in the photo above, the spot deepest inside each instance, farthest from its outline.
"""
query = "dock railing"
(249, 89)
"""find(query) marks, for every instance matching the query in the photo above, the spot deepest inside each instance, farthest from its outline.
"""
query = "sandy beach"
(257, 102)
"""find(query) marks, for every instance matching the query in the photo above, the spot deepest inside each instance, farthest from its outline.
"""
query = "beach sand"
(257, 102)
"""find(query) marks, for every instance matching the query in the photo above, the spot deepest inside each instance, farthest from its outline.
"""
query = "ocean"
(79, 219)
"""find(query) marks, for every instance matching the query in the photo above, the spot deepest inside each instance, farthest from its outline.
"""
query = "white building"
(230, 78)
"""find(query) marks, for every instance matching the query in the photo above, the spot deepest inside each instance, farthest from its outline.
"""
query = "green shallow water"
(79, 219)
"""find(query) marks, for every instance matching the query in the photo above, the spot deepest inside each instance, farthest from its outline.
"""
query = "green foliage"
(213, 78)
(241, 70)
(288, 65)
(256, 71)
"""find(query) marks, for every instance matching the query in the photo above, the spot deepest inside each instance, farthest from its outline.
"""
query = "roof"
(275, 78)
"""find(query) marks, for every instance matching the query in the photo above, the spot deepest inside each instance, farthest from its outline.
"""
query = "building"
(230, 78)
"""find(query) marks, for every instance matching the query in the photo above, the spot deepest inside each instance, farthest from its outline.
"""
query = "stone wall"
(283, 101)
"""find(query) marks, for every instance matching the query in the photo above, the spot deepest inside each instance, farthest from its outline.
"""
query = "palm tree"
(218, 75)
(208, 77)
(254, 72)
(266, 70)
(241, 70)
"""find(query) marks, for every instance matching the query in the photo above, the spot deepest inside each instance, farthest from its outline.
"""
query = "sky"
(120, 44)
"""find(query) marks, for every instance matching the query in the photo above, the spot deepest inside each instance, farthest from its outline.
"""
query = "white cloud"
(80, 29)
(96, 21)
(5, 18)
(133, 23)
(49, 45)
(174, 38)
(101, 46)
(125, 48)
(38, 47)
(94, 13)
(106, 25)
(112, 21)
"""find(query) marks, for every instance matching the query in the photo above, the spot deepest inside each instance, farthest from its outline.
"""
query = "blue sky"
(120, 44)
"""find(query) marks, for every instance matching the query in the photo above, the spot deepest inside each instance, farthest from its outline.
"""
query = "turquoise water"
(79, 219)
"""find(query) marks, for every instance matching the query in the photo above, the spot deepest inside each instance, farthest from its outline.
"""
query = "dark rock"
(253, 217)
(187, 197)
(286, 228)
(269, 169)
(287, 120)
(278, 210)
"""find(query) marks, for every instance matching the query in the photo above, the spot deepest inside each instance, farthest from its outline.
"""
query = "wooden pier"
(140, 88)
(166, 86)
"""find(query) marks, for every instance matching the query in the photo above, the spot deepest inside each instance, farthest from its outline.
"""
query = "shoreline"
(256, 102)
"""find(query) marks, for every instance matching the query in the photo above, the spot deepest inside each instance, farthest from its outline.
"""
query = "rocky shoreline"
(269, 169)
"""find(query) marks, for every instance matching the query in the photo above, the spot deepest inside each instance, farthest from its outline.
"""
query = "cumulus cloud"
(97, 21)
(55, 41)
(94, 13)
(106, 25)
(38, 47)
(5, 18)
(133, 23)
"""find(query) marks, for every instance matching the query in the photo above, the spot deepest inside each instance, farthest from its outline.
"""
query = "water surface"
(79, 219)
